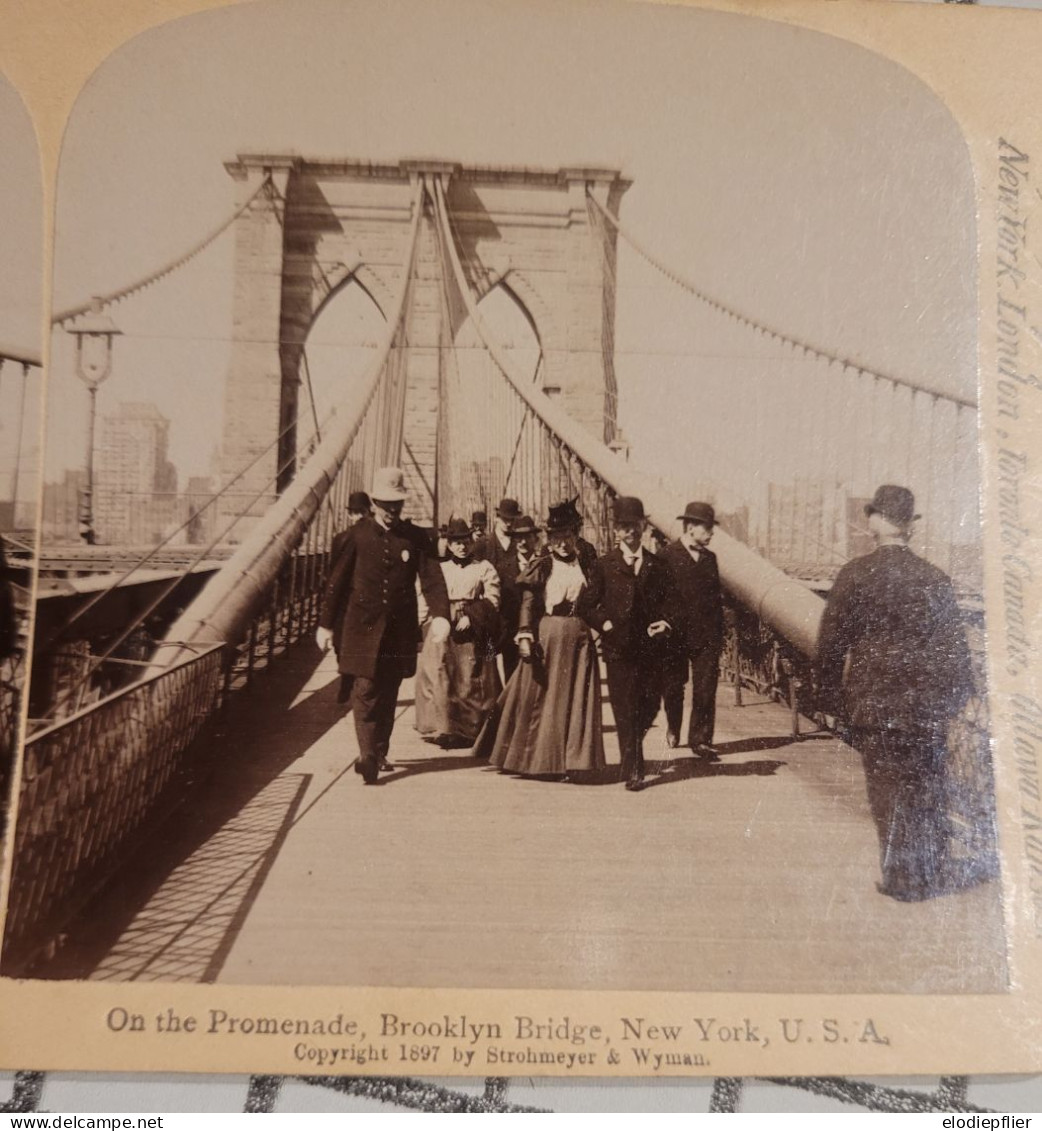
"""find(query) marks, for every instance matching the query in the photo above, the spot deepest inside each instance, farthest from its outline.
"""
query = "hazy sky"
(21, 237)
(804, 180)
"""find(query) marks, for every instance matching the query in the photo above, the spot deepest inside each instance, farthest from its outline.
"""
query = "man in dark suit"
(894, 660)
(374, 582)
(523, 536)
(626, 602)
(495, 546)
(697, 617)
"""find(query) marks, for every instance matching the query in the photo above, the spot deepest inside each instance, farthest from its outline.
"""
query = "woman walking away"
(548, 719)
(456, 679)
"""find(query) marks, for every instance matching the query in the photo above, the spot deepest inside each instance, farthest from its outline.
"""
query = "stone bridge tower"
(330, 222)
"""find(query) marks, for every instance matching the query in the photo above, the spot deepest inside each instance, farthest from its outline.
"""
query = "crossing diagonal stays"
(785, 604)
(223, 610)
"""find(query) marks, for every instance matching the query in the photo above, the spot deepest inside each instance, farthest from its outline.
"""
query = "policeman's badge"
(405, 555)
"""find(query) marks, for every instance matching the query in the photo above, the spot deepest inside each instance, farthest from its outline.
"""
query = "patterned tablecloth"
(87, 1092)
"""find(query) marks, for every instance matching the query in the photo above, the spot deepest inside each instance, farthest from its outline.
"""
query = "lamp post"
(93, 333)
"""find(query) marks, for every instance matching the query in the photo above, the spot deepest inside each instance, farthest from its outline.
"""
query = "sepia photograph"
(21, 389)
(513, 516)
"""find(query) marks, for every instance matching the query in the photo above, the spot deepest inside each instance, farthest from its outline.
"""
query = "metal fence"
(90, 785)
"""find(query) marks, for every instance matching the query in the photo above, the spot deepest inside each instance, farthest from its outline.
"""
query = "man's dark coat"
(696, 615)
(633, 659)
(893, 619)
(629, 601)
(696, 611)
(488, 548)
(374, 583)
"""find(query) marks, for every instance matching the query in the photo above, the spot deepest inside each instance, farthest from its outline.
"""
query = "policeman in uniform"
(374, 582)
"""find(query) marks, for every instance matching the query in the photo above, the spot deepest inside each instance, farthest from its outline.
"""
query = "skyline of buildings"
(800, 524)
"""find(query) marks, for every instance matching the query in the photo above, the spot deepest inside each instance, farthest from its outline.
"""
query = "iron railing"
(89, 786)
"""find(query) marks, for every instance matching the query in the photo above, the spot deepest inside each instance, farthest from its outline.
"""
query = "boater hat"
(389, 485)
(895, 504)
(627, 509)
(563, 516)
(509, 509)
(458, 531)
(699, 512)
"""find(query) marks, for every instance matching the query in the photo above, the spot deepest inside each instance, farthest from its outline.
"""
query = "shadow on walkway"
(173, 912)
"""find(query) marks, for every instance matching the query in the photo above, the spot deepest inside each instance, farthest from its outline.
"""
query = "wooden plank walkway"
(757, 873)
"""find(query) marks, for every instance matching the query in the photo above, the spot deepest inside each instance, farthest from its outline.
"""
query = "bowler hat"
(564, 516)
(699, 512)
(359, 501)
(479, 518)
(524, 525)
(457, 531)
(896, 504)
(627, 509)
(509, 509)
(389, 485)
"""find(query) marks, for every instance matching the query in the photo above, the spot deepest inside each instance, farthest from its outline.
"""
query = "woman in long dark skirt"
(547, 722)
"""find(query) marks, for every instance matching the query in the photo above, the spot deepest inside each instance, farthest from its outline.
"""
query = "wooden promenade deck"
(757, 873)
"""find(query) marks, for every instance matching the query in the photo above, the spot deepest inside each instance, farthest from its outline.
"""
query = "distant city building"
(61, 508)
(202, 518)
(807, 523)
(135, 484)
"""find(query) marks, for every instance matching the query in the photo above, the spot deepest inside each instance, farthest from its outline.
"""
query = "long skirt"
(548, 719)
(457, 683)
(906, 779)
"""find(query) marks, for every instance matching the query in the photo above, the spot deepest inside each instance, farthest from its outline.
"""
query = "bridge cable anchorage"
(221, 613)
(101, 594)
(746, 575)
(94, 662)
(819, 352)
(101, 301)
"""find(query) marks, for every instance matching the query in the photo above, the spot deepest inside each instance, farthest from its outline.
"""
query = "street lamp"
(93, 332)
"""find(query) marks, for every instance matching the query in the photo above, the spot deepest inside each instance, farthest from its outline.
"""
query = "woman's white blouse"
(565, 583)
(471, 580)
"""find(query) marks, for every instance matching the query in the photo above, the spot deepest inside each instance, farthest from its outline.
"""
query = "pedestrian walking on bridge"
(894, 660)
(627, 603)
(374, 583)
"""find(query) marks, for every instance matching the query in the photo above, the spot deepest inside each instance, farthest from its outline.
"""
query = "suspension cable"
(223, 608)
(97, 661)
(172, 265)
(818, 352)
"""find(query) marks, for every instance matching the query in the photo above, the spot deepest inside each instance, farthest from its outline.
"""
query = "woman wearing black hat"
(548, 719)
(457, 681)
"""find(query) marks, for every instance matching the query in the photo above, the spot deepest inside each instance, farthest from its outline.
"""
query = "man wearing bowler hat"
(697, 617)
(496, 546)
(523, 541)
(626, 602)
(894, 659)
(374, 582)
